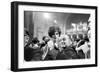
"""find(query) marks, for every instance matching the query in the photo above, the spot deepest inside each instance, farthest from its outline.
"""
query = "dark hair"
(53, 29)
(43, 38)
(35, 40)
(26, 33)
(81, 43)
(77, 40)
(86, 39)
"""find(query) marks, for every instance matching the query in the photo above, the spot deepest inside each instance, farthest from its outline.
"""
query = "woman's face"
(56, 35)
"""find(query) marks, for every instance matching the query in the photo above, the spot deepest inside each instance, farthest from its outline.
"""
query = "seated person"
(32, 51)
(67, 51)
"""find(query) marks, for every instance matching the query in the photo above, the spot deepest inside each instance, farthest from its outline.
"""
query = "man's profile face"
(46, 39)
(26, 39)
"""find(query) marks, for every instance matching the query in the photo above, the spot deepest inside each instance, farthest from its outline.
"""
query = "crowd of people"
(56, 46)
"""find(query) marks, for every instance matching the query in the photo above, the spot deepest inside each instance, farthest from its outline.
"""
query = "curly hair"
(54, 29)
